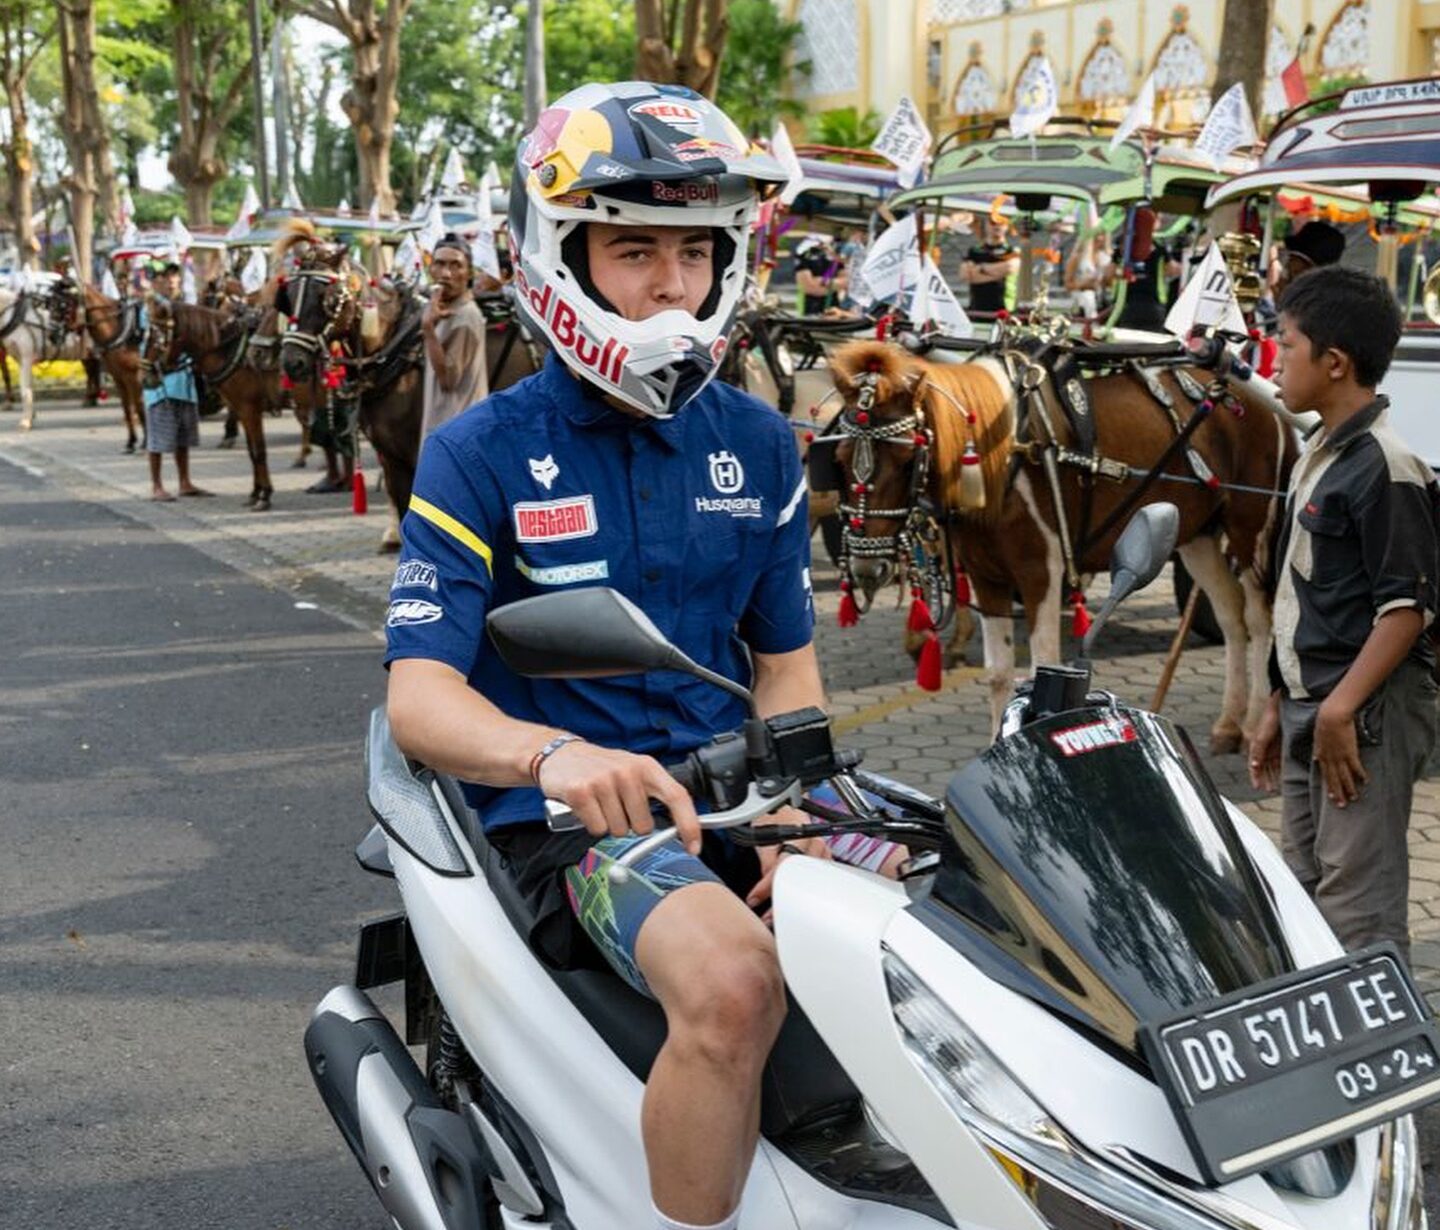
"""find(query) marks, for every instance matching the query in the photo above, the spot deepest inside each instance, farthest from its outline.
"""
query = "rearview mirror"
(1139, 555)
(586, 634)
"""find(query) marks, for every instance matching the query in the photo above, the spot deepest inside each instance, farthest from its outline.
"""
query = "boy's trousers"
(1353, 860)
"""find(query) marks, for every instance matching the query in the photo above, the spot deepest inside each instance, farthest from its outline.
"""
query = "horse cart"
(1375, 150)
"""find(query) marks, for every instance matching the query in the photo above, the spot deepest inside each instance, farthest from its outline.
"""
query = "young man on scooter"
(622, 464)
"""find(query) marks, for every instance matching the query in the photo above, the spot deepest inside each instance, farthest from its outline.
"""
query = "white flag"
(1141, 113)
(454, 174)
(252, 277)
(292, 198)
(107, 285)
(891, 265)
(1228, 126)
(784, 151)
(429, 185)
(432, 230)
(374, 218)
(933, 300)
(408, 261)
(1208, 300)
(484, 207)
(344, 206)
(189, 292)
(1037, 102)
(130, 236)
(905, 141)
(249, 207)
(483, 254)
(180, 238)
(127, 210)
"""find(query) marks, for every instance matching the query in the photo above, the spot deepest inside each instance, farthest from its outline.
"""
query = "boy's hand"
(1338, 753)
(1265, 749)
(771, 856)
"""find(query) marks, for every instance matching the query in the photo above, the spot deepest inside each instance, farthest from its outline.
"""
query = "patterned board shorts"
(171, 425)
(612, 914)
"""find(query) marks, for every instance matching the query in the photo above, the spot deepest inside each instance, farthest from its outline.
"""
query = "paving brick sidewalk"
(315, 548)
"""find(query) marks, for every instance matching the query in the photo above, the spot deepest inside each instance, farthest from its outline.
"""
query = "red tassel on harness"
(849, 611)
(1080, 617)
(359, 501)
(927, 669)
(920, 618)
(334, 376)
(285, 382)
(962, 588)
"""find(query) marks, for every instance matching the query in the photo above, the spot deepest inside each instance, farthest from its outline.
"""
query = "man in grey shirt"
(454, 334)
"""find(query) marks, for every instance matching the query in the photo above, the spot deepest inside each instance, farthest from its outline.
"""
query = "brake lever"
(753, 807)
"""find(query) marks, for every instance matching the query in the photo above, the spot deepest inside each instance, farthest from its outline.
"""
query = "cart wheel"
(1204, 624)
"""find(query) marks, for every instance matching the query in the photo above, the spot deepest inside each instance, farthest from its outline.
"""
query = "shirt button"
(644, 493)
(652, 575)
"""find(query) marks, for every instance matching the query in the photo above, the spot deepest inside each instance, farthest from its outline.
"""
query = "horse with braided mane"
(962, 437)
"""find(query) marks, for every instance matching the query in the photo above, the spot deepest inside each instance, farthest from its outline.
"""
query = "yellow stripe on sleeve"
(460, 533)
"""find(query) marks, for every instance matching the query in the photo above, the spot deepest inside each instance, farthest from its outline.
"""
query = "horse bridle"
(316, 345)
(918, 547)
(129, 313)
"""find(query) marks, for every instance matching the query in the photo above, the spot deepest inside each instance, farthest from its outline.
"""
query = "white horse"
(28, 330)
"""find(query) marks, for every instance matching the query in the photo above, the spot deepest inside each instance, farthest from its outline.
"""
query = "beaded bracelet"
(537, 761)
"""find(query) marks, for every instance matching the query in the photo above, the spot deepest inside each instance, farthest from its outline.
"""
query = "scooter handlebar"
(560, 819)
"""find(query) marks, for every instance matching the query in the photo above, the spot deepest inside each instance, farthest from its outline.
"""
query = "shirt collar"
(585, 407)
(1359, 422)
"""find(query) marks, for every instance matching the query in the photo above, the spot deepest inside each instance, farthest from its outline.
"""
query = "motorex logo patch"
(565, 574)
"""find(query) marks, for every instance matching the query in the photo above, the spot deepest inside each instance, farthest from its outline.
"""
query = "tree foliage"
(846, 127)
(754, 75)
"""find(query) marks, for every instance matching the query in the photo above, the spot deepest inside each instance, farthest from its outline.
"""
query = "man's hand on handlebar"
(610, 791)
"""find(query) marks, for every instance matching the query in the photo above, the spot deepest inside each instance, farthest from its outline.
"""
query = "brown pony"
(217, 342)
(115, 331)
(1002, 530)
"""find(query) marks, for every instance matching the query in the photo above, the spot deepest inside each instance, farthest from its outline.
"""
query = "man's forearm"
(437, 718)
(788, 681)
(435, 356)
(1385, 648)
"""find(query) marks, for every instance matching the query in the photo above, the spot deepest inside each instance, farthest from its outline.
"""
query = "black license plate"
(1284, 1067)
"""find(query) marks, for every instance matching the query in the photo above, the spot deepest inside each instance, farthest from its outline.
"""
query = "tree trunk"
(77, 25)
(687, 52)
(1243, 40)
(20, 43)
(280, 109)
(535, 91)
(196, 161)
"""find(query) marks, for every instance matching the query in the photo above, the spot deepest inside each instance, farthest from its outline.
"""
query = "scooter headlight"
(1068, 1186)
(1399, 1201)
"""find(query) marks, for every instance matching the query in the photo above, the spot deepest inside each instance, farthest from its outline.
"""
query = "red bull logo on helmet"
(697, 192)
(563, 322)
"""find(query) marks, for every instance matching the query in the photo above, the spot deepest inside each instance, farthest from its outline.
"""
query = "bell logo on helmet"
(700, 191)
(727, 475)
(563, 322)
(676, 114)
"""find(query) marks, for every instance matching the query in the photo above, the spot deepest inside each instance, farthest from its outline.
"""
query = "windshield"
(1090, 863)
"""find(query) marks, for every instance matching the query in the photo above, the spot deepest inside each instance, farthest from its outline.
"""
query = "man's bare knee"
(716, 972)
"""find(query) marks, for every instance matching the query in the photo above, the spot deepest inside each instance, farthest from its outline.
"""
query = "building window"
(1105, 76)
(830, 40)
(975, 94)
(1347, 43)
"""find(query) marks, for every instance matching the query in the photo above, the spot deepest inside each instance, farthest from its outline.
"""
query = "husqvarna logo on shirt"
(727, 475)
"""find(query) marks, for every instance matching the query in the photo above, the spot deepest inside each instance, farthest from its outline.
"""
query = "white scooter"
(1096, 998)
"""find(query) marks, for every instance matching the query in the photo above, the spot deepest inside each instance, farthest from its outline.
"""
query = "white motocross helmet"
(647, 155)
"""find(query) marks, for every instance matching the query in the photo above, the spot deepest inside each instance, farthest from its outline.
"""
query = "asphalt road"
(181, 792)
(181, 784)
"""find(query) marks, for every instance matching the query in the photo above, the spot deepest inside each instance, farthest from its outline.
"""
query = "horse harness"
(1061, 368)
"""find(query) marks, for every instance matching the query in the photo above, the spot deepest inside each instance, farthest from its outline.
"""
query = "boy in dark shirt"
(1351, 722)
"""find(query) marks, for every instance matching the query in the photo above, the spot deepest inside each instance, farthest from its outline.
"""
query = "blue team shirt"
(699, 519)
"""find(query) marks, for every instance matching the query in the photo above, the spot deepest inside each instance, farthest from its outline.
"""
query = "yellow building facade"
(966, 60)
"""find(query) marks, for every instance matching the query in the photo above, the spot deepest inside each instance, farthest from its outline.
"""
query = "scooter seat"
(803, 1082)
